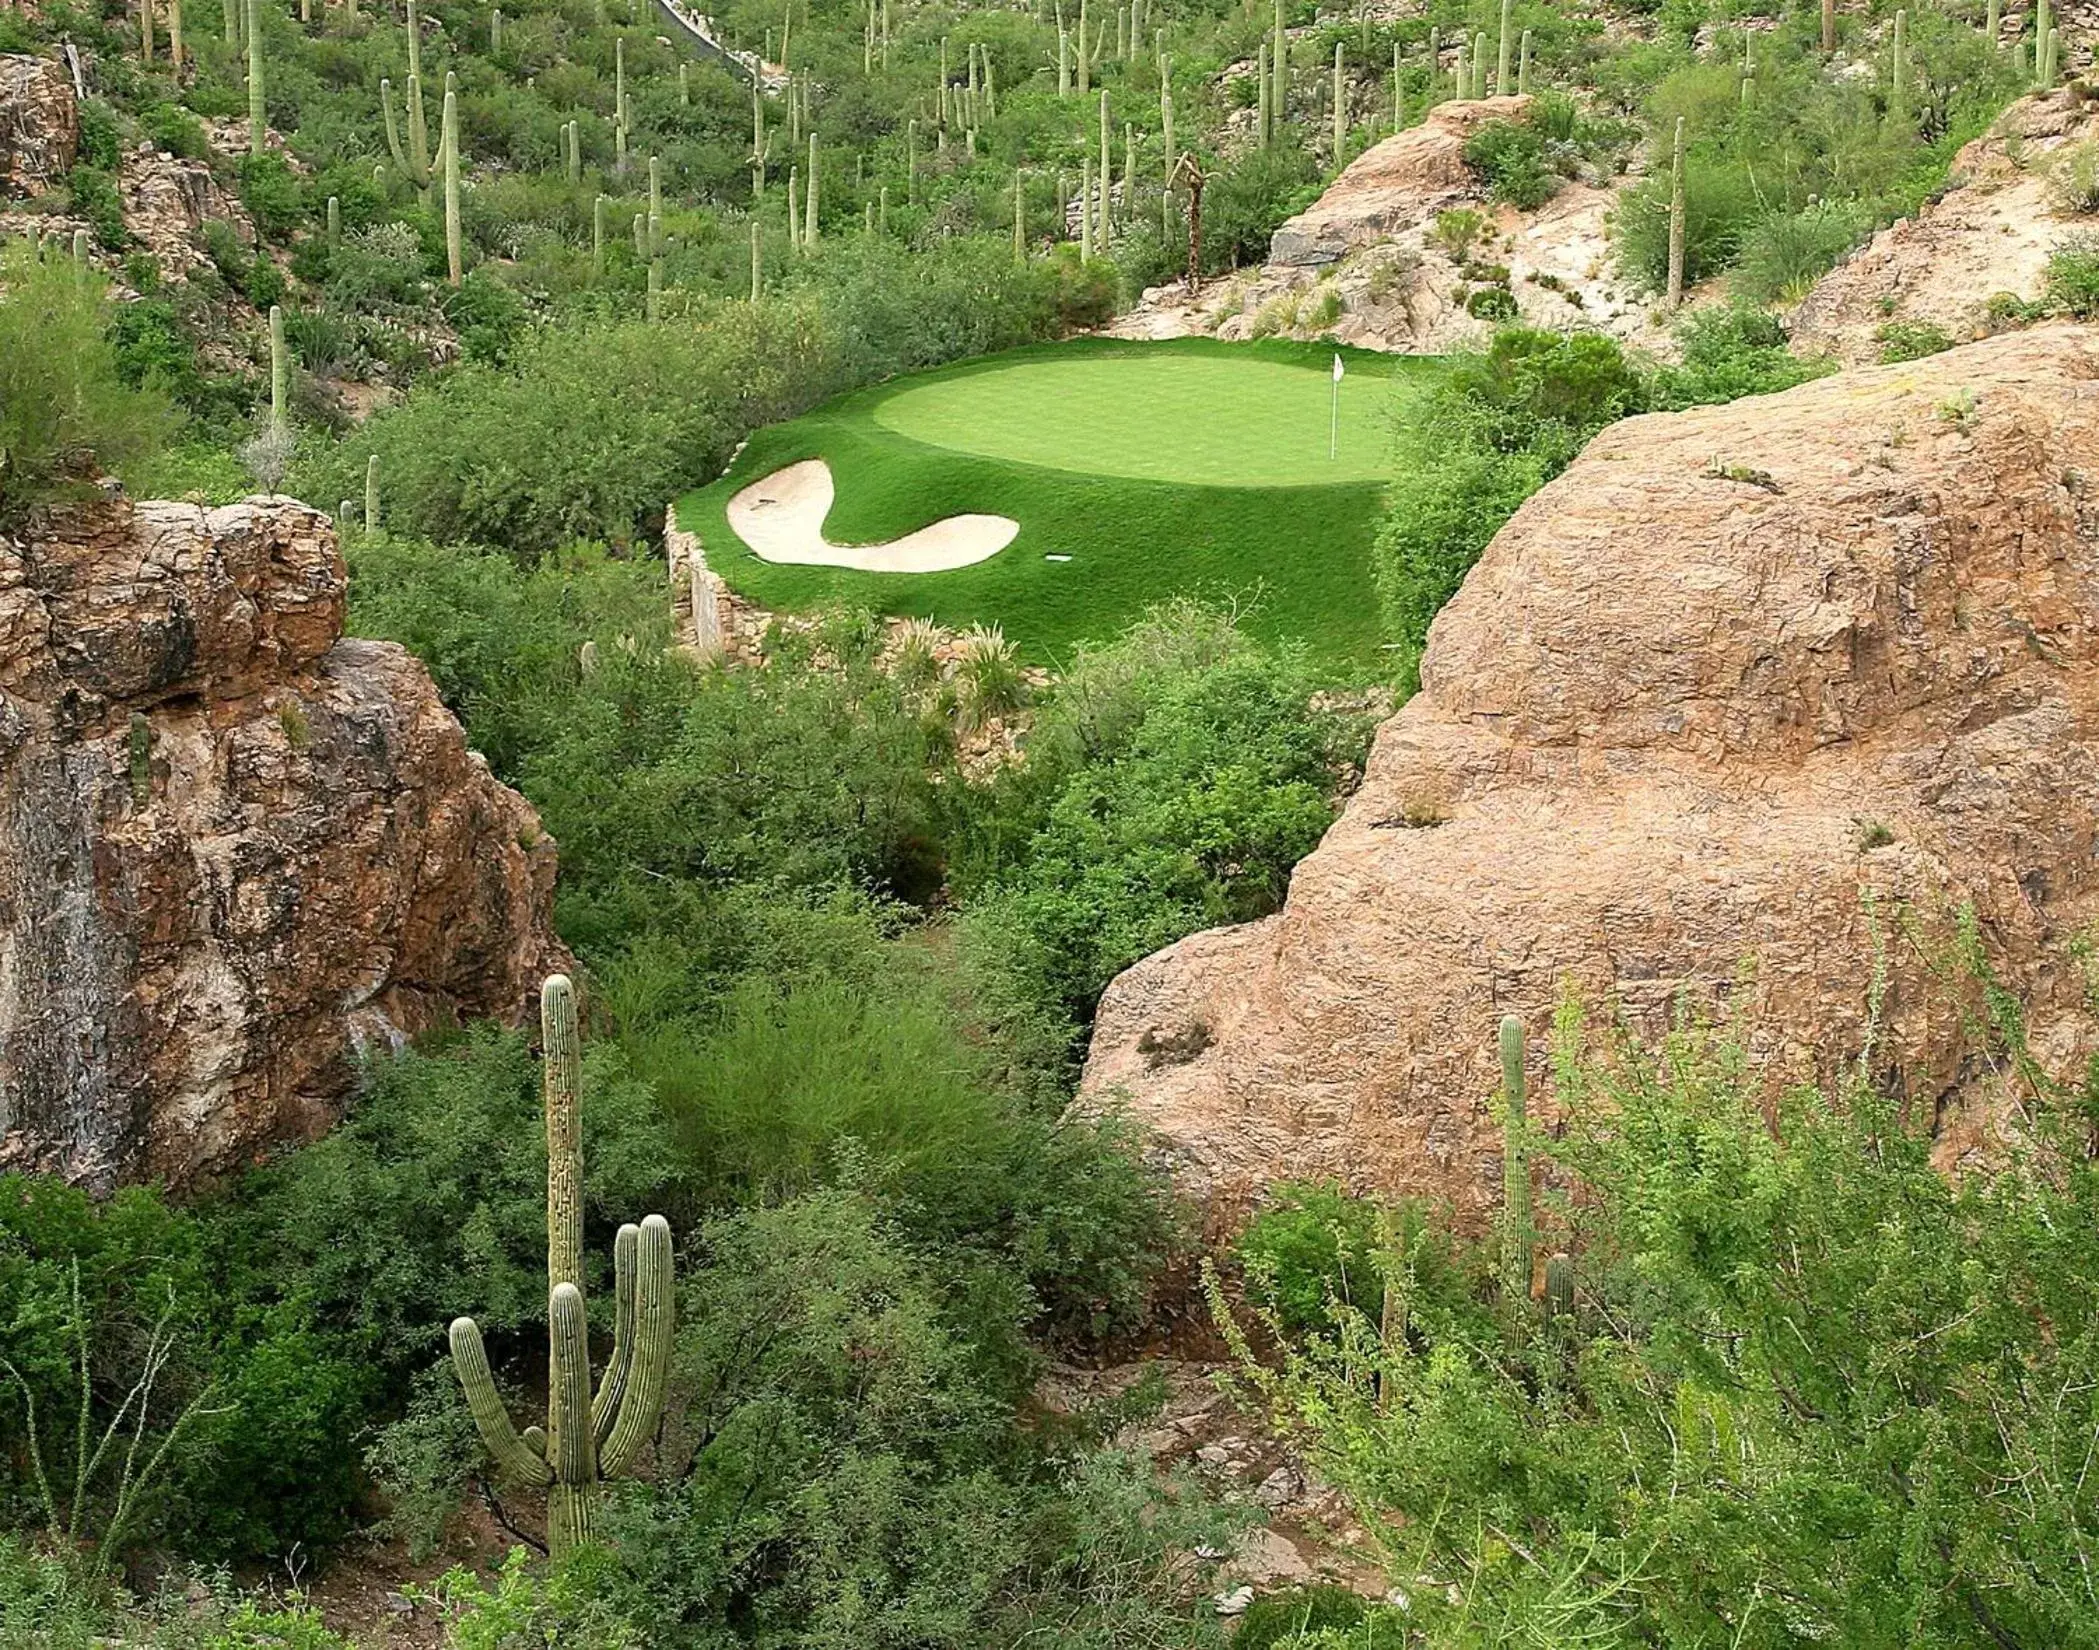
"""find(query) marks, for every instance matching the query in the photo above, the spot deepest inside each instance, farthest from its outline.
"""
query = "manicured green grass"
(1158, 469)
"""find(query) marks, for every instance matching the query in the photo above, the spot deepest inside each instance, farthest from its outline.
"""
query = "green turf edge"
(1133, 543)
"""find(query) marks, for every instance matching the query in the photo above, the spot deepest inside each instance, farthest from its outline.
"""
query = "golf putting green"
(1137, 472)
(1215, 421)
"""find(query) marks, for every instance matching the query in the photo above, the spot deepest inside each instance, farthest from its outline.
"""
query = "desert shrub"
(1456, 230)
(1509, 157)
(1783, 253)
(1491, 303)
(174, 129)
(488, 315)
(831, 1414)
(242, 1410)
(271, 192)
(375, 266)
(95, 198)
(1729, 353)
(2070, 283)
(430, 1199)
(1320, 1614)
(1911, 340)
(1247, 201)
(1500, 425)
(1309, 1246)
(1183, 809)
(2073, 177)
(1810, 1296)
(1720, 204)
(64, 395)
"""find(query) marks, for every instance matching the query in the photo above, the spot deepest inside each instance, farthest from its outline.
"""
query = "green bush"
(1247, 201)
(65, 397)
(1309, 1246)
(1720, 205)
(95, 198)
(1911, 340)
(2070, 283)
(1509, 157)
(1784, 253)
(1729, 353)
(1500, 425)
(1823, 1346)
(272, 193)
(1321, 1615)
(1188, 811)
(174, 129)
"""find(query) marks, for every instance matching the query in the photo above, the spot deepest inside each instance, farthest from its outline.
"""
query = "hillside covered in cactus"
(915, 825)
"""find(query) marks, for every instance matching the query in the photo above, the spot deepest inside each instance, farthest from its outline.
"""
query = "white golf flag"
(1337, 369)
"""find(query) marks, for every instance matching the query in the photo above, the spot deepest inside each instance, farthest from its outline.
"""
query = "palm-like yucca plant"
(916, 655)
(987, 669)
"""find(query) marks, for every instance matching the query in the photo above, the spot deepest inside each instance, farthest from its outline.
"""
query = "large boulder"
(1730, 718)
(1394, 185)
(237, 852)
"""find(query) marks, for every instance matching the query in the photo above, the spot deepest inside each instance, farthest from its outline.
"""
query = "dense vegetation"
(839, 968)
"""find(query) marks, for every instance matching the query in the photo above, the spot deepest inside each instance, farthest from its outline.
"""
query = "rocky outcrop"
(1363, 264)
(39, 125)
(1990, 233)
(237, 851)
(167, 200)
(1729, 716)
(1399, 183)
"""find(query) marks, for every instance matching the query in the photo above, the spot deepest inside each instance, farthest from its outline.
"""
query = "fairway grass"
(1158, 469)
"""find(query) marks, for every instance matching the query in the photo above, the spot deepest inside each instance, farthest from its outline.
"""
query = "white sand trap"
(782, 519)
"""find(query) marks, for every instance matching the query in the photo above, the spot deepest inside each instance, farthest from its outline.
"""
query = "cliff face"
(1711, 708)
(236, 850)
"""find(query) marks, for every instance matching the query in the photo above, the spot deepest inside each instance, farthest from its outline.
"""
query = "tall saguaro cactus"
(586, 1439)
(1501, 54)
(257, 120)
(1517, 1236)
(455, 260)
(1676, 218)
(280, 374)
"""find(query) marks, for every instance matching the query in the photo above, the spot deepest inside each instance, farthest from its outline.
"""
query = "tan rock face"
(1711, 708)
(236, 850)
(1397, 184)
(39, 124)
(167, 200)
(1990, 233)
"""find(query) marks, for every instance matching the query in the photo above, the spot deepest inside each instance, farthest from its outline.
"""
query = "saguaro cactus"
(757, 259)
(257, 119)
(371, 494)
(1898, 76)
(586, 1440)
(1523, 66)
(1501, 57)
(279, 370)
(455, 260)
(1676, 218)
(1516, 1234)
(1340, 104)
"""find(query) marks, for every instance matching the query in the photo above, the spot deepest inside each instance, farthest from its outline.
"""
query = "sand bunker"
(782, 519)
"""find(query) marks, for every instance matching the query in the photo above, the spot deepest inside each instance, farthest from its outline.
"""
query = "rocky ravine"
(236, 849)
(1731, 674)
